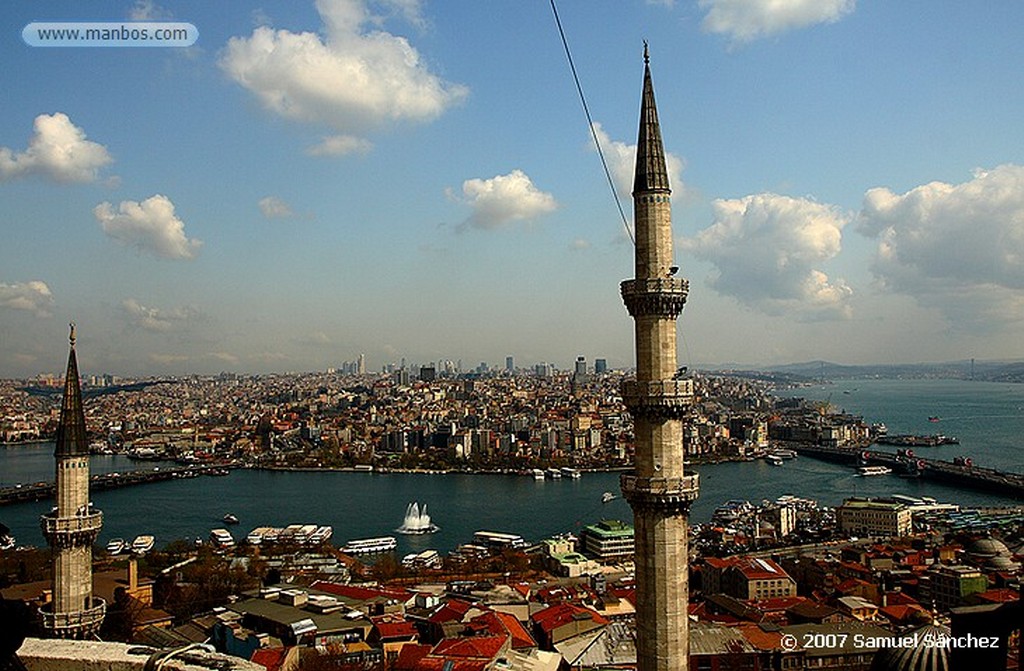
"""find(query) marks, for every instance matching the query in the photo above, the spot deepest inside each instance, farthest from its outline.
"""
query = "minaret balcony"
(658, 399)
(73, 531)
(658, 296)
(671, 494)
(75, 625)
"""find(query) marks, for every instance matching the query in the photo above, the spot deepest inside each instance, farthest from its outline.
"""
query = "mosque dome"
(925, 657)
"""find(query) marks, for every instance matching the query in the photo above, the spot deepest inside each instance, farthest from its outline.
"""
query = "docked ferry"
(222, 539)
(368, 546)
(874, 470)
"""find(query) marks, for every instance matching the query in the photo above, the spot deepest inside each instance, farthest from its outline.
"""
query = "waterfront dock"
(41, 491)
(960, 472)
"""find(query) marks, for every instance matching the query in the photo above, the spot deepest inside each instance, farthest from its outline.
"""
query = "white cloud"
(579, 244)
(955, 247)
(353, 78)
(147, 10)
(226, 357)
(149, 226)
(766, 249)
(33, 296)
(340, 145)
(273, 207)
(57, 150)
(503, 199)
(746, 20)
(155, 320)
(621, 158)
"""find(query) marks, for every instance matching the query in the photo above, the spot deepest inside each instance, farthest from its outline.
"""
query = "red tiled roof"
(474, 647)
(560, 614)
(271, 658)
(393, 627)
(999, 595)
(410, 656)
(520, 637)
(452, 611)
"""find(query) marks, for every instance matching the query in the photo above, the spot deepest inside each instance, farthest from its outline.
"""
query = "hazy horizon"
(314, 180)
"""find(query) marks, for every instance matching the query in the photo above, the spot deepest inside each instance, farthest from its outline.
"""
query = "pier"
(41, 491)
(960, 473)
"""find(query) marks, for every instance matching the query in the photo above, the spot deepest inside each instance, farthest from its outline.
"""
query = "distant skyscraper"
(361, 365)
(510, 364)
(581, 366)
(71, 528)
(600, 366)
(659, 492)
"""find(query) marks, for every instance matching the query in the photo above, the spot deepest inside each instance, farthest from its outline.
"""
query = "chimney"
(133, 575)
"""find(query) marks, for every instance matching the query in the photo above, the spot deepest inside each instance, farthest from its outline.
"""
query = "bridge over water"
(41, 491)
(961, 473)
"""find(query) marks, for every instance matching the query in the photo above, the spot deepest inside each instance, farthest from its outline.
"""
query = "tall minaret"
(72, 526)
(659, 492)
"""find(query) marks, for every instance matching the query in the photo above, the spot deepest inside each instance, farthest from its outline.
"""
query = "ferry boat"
(222, 539)
(570, 473)
(116, 546)
(874, 470)
(773, 459)
(554, 473)
(367, 546)
(142, 544)
(538, 474)
(497, 539)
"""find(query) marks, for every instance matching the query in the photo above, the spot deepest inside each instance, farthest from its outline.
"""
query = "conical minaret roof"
(71, 436)
(651, 173)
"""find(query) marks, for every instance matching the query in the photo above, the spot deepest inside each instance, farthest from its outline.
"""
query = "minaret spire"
(659, 491)
(71, 436)
(651, 173)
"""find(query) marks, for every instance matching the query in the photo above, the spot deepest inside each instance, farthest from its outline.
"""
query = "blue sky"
(416, 179)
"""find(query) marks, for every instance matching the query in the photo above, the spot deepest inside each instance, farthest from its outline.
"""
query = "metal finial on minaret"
(71, 338)
(647, 58)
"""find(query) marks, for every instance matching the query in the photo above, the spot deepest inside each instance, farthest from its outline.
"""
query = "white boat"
(417, 521)
(570, 473)
(7, 541)
(222, 539)
(538, 474)
(773, 459)
(874, 470)
(366, 546)
(608, 496)
(116, 546)
(142, 544)
(255, 537)
(230, 518)
(554, 473)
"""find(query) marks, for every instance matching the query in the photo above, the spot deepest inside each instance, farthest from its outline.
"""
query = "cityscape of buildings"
(873, 585)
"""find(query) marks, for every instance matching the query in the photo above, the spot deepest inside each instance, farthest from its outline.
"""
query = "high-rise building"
(510, 364)
(600, 366)
(659, 492)
(72, 526)
(581, 366)
(361, 365)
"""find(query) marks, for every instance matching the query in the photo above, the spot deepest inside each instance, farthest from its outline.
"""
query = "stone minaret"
(659, 492)
(72, 526)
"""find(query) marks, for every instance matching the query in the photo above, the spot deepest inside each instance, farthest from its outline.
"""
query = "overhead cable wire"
(590, 122)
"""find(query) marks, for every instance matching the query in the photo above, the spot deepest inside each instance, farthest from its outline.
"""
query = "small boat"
(773, 459)
(570, 473)
(608, 496)
(538, 474)
(142, 544)
(230, 518)
(874, 470)
(116, 546)
(7, 541)
(933, 418)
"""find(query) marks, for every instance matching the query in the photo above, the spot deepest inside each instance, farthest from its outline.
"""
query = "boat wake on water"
(417, 522)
